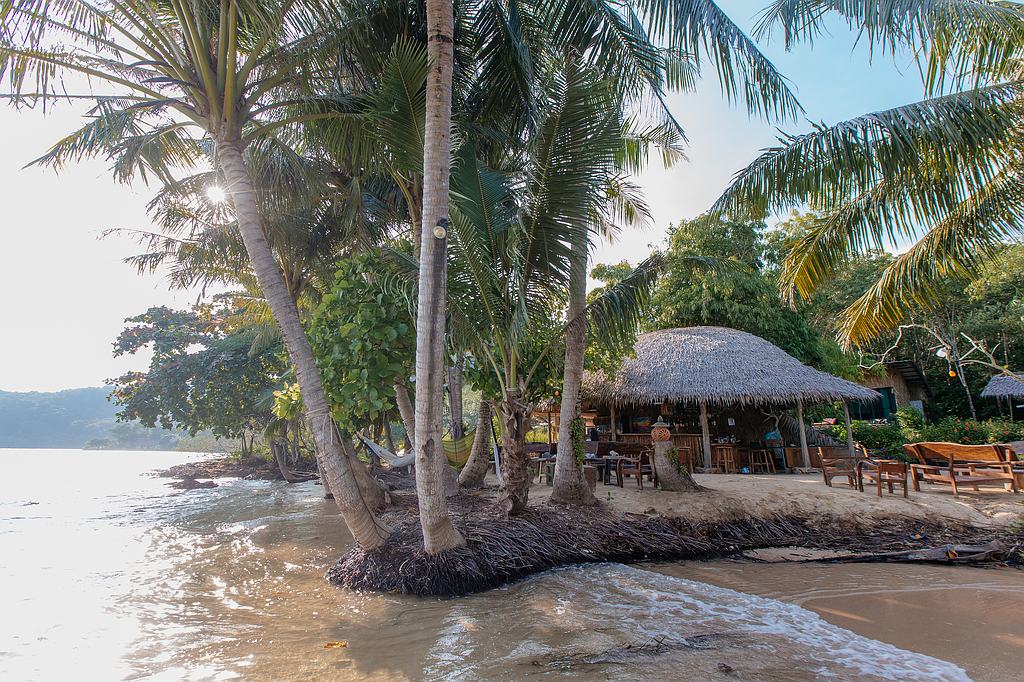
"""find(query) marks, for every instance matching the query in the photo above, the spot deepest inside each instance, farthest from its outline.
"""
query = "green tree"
(362, 335)
(737, 294)
(201, 376)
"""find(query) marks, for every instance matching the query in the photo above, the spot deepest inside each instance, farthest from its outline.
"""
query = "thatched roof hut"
(1003, 386)
(717, 366)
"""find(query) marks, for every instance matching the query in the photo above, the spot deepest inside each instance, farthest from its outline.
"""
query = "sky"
(65, 292)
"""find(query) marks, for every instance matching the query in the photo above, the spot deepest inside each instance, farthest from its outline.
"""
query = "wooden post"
(805, 453)
(849, 427)
(612, 433)
(705, 431)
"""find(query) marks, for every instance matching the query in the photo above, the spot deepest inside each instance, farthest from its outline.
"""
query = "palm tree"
(236, 71)
(944, 173)
(439, 534)
(688, 29)
(513, 233)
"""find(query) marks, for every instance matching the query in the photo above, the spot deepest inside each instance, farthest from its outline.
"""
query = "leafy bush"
(885, 440)
(910, 420)
(888, 440)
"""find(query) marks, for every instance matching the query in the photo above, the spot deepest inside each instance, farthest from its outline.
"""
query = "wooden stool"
(725, 457)
(762, 459)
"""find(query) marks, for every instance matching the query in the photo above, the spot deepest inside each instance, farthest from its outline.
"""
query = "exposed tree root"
(499, 551)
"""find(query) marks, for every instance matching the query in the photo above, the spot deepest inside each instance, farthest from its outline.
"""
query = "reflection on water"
(106, 573)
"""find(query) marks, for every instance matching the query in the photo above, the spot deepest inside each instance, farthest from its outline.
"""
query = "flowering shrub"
(887, 440)
(956, 430)
(1004, 431)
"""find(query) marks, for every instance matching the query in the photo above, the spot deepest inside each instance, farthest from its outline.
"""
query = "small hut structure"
(1005, 387)
(716, 369)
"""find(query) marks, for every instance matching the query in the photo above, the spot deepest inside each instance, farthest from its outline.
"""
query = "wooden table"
(546, 465)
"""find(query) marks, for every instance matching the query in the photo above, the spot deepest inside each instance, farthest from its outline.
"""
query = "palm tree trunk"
(569, 485)
(439, 533)
(515, 484)
(338, 473)
(669, 471)
(472, 475)
(455, 399)
(328, 495)
(405, 409)
(389, 438)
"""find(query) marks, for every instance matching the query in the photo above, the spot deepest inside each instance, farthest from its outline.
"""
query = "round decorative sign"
(660, 434)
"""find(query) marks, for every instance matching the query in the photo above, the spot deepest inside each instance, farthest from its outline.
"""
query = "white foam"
(593, 608)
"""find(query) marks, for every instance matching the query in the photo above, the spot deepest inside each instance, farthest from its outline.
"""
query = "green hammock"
(457, 451)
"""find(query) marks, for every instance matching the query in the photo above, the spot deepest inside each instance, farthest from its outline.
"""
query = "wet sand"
(969, 616)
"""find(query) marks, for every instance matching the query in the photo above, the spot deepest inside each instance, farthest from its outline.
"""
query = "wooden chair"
(955, 465)
(1016, 464)
(638, 466)
(836, 462)
(724, 455)
(887, 471)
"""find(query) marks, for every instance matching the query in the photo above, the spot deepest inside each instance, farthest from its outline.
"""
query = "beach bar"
(720, 390)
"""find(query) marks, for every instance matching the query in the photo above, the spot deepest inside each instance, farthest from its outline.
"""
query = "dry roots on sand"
(499, 551)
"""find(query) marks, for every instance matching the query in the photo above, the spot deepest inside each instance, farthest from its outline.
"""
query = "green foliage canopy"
(739, 294)
(202, 376)
(364, 339)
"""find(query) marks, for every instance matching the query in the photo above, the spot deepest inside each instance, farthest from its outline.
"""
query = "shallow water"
(106, 573)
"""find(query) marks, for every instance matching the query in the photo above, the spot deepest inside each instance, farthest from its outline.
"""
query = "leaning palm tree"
(944, 174)
(181, 75)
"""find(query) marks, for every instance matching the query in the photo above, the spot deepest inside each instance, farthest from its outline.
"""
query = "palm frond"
(952, 249)
(961, 135)
(697, 27)
(960, 39)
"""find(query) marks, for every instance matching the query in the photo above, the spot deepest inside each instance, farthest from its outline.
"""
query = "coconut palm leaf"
(957, 41)
(960, 136)
(954, 248)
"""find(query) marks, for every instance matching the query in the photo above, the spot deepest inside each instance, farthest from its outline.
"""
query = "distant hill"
(77, 418)
(65, 419)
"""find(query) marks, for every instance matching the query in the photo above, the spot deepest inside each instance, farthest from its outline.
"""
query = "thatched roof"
(718, 366)
(1003, 386)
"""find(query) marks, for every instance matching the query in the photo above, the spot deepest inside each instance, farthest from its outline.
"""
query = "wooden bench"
(957, 465)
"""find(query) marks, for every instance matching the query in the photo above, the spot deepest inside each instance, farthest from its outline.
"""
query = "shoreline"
(748, 518)
(500, 551)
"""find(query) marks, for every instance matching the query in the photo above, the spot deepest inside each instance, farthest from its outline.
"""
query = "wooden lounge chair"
(887, 471)
(638, 466)
(836, 462)
(957, 465)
